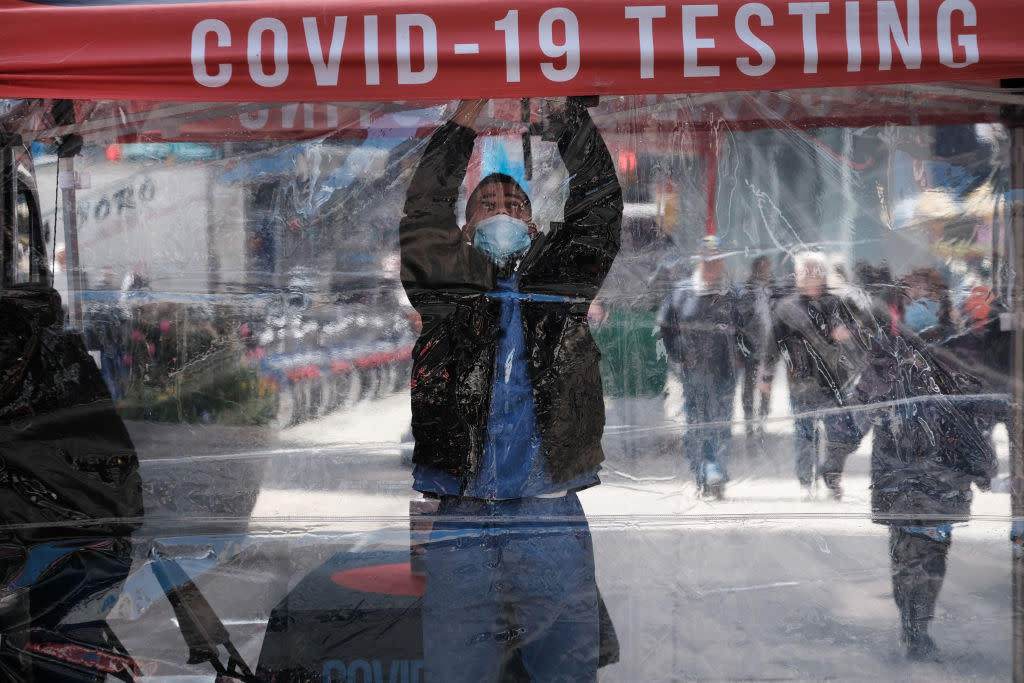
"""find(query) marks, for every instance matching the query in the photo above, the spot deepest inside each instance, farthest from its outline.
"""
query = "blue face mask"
(501, 237)
(921, 314)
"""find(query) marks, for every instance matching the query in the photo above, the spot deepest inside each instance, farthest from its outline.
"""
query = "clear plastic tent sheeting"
(803, 307)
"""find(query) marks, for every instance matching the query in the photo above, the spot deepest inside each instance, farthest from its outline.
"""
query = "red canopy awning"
(368, 50)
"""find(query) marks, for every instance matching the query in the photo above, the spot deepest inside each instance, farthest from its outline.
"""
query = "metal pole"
(849, 210)
(524, 115)
(213, 279)
(69, 146)
(7, 215)
(66, 182)
(714, 150)
(1014, 118)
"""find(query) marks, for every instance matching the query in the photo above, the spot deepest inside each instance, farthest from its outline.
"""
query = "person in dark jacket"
(507, 406)
(699, 323)
(927, 308)
(757, 349)
(814, 330)
(929, 447)
(70, 493)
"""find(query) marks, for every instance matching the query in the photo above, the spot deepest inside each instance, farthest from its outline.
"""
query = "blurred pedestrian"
(757, 349)
(927, 306)
(814, 332)
(979, 342)
(698, 324)
(928, 448)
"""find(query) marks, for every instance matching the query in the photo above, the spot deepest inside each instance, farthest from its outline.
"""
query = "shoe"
(762, 444)
(714, 481)
(713, 473)
(921, 648)
(832, 483)
(716, 491)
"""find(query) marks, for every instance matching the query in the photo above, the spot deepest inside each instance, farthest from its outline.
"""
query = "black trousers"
(918, 569)
(749, 395)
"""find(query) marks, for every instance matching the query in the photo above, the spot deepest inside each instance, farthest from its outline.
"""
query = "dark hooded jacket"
(700, 330)
(820, 368)
(68, 468)
(929, 440)
(447, 281)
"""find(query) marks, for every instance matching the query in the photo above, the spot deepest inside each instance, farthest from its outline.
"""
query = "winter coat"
(699, 330)
(447, 281)
(929, 440)
(68, 468)
(820, 367)
(755, 336)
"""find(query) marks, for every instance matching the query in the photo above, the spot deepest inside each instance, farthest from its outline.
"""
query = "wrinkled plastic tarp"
(806, 366)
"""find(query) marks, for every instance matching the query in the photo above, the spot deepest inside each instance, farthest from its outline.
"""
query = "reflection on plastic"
(797, 417)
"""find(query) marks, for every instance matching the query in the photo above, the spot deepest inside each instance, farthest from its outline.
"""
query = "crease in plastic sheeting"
(290, 265)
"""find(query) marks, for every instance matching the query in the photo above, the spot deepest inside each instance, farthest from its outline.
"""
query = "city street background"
(763, 585)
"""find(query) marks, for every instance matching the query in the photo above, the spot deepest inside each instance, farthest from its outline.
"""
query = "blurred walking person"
(929, 447)
(698, 323)
(758, 350)
(927, 305)
(814, 333)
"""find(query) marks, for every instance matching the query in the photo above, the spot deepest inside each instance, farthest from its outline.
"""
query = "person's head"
(497, 193)
(811, 272)
(761, 269)
(878, 282)
(712, 270)
(925, 282)
(927, 299)
(712, 264)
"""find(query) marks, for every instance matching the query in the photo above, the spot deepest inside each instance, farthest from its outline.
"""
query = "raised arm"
(577, 257)
(435, 257)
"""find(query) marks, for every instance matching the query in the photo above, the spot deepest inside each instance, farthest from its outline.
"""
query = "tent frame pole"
(1013, 117)
(7, 215)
